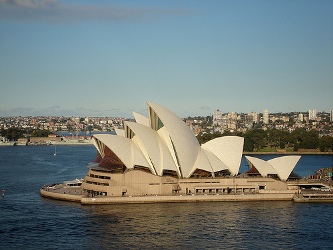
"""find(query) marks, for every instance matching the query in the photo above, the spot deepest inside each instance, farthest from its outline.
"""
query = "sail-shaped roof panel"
(203, 163)
(284, 165)
(154, 149)
(124, 148)
(263, 167)
(228, 149)
(215, 162)
(184, 143)
(120, 132)
(141, 119)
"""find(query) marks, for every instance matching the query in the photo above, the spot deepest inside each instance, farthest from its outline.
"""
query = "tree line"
(274, 139)
(13, 134)
(254, 140)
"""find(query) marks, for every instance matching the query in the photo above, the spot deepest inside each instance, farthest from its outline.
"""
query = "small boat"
(55, 151)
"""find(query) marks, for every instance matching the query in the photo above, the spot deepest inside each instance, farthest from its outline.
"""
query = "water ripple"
(28, 221)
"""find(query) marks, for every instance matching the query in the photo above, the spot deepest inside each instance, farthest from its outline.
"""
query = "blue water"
(28, 221)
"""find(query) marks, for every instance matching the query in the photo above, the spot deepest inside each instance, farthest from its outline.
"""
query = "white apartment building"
(255, 116)
(217, 117)
(232, 121)
(266, 116)
(312, 114)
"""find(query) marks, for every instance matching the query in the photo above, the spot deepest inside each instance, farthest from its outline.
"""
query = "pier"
(68, 193)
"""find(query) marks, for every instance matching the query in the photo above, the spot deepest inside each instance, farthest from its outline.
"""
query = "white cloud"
(205, 108)
(56, 11)
(31, 3)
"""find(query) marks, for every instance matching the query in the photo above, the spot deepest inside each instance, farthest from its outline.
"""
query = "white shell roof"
(124, 148)
(164, 135)
(141, 119)
(282, 166)
(184, 141)
(202, 163)
(228, 149)
(120, 132)
(152, 146)
(263, 167)
(214, 161)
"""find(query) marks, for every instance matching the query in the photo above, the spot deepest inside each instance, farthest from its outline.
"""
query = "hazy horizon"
(146, 114)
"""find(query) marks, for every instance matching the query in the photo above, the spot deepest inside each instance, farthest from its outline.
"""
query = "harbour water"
(28, 221)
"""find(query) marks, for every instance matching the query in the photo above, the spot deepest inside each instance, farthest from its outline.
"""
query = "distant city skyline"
(107, 58)
(308, 113)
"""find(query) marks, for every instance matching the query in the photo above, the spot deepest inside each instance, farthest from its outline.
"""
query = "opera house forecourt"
(159, 159)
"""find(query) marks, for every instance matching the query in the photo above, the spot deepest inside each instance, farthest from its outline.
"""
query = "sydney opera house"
(159, 159)
(159, 155)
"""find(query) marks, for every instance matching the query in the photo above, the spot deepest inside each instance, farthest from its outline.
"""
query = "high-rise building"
(233, 115)
(248, 119)
(331, 115)
(255, 116)
(266, 116)
(217, 117)
(232, 120)
(312, 114)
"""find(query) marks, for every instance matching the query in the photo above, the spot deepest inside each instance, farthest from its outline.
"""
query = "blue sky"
(107, 58)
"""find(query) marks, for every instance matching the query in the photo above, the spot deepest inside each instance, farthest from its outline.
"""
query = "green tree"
(40, 133)
(248, 144)
(205, 137)
(309, 140)
(13, 134)
(326, 143)
(257, 137)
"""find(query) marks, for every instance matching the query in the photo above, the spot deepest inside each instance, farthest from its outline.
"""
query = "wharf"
(187, 198)
(315, 197)
(62, 192)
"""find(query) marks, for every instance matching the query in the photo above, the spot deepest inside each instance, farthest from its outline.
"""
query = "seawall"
(60, 196)
(188, 198)
(70, 196)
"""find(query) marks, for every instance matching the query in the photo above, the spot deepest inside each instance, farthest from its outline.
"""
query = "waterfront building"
(159, 155)
(178, 149)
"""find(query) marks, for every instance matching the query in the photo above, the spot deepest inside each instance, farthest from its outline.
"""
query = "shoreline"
(244, 153)
(11, 144)
(65, 194)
